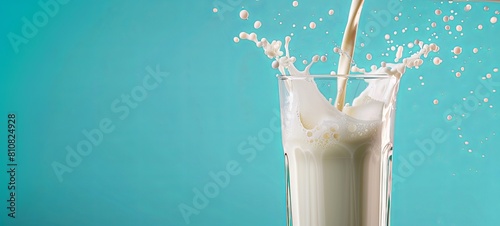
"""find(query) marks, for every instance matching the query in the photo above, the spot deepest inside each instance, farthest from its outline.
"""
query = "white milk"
(336, 154)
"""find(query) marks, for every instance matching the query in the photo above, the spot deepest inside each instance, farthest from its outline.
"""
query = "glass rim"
(328, 76)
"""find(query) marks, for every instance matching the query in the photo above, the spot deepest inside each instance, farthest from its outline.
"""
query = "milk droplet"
(387, 36)
(495, 69)
(323, 58)
(433, 24)
(312, 25)
(447, 27)
(244, 14)
(458, 74)
(435, 101)
(257, 24)
(467, 8)
(315, 58)
(480, 27)
(485, 100)
(437, 61)
(295, 3)
(475, 50)
(243, 35)
(458, 27)
(493, 20)
(215, 10)
(275, 64)
(368, 56)
(437, 12)
(486, 8)
(449, 117)
(236, 39)
(446, 18)
(457, 50)
(488, 75)
(330, 12)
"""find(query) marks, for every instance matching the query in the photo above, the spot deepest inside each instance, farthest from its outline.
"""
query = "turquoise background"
(215, 97)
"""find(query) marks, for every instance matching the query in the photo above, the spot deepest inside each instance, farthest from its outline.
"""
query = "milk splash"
(338, 155)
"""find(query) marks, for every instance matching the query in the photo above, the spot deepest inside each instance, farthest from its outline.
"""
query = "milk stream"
(348, 42)
(337, 156)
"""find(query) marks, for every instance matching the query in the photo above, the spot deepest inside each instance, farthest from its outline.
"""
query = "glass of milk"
(338, 162)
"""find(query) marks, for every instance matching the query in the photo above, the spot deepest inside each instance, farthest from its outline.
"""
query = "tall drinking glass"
(338, 162)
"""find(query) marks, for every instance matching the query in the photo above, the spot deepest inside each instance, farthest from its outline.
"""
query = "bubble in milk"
(352, 128)
(493, 20)
(295, 3)
(244, 14)
(257, 24)
(331, 12)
